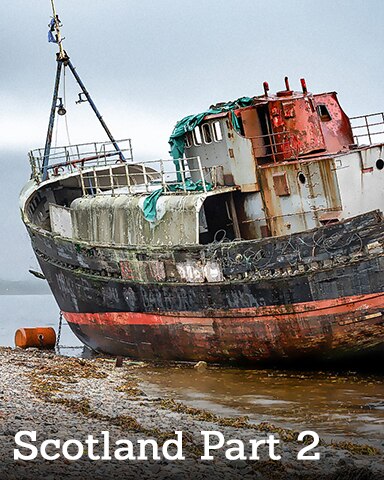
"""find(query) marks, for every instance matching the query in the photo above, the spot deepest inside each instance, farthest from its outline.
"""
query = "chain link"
(57, 345)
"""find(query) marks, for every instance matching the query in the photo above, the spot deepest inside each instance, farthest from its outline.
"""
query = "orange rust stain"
(340, 306)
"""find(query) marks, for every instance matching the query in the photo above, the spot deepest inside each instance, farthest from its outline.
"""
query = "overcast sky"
(148, 63)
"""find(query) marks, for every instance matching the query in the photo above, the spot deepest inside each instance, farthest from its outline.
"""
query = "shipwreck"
(261, 238)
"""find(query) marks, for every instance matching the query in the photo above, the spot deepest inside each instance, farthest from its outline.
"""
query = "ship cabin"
(283, 163)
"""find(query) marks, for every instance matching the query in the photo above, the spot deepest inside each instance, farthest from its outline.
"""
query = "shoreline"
(68, 397)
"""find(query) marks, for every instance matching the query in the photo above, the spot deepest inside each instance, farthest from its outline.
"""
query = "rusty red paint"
(280, 183)
(339, 306)
(304, 85)
(337, 131)
(126, 270)
(322, 329)
(298, 118)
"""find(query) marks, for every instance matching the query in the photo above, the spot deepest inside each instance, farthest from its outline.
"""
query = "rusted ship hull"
(319, 330)
(328, 305)
(261, 237)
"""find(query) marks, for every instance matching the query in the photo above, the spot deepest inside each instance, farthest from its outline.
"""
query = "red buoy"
(39, 337)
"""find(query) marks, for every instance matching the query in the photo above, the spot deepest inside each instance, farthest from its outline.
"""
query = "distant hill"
(24, 287)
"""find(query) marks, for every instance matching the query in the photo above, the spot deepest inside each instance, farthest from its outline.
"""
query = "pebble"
(200, 366)
(23, 410)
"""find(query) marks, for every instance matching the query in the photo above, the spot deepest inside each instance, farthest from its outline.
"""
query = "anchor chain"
(57, 345)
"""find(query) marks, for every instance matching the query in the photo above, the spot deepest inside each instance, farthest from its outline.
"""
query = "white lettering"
(208, 446)
(155, 449)
(76, 456)
(126, 451)
(43, 449)
(16, 453)
(91, 442)
(106, 455)
(255, 445)
(271, 443)
(179, 447)
(301, 455)
(102, 447)
(235, 453)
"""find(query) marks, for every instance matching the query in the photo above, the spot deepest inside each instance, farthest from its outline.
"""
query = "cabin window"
(207, 133)
(197, 140)
(188, 140)
(217, 133)
(323, 112)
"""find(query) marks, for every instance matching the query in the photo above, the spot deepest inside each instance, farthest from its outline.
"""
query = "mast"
(64, 61)
(62, 54)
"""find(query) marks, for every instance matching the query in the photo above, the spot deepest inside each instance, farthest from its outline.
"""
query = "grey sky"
(149, 63)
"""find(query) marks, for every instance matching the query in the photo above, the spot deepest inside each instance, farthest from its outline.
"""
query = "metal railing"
(275, 147)
(368, 129)
(70, 159)
(172, 176)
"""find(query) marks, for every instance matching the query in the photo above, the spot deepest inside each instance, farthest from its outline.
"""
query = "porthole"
(380, 164)
(302, 178)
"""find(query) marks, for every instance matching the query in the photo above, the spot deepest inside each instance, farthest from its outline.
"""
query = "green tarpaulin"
(177, 144)
(151, 201)
(189, 123)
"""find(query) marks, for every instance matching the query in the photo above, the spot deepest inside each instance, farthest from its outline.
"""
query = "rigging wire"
(65, 106)
(57, 118)
(56, 131)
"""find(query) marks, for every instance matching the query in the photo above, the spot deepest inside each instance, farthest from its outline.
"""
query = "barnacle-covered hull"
(317, 294)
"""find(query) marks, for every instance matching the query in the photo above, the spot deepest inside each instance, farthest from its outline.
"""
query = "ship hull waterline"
(321, 330)
(332, 308)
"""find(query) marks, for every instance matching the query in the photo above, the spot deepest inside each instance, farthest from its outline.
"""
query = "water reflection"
(337, 406)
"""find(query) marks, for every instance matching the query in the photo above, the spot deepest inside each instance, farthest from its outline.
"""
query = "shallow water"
(337, 406)
(20, 311)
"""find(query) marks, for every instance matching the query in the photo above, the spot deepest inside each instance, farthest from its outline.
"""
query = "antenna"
(63, 60)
